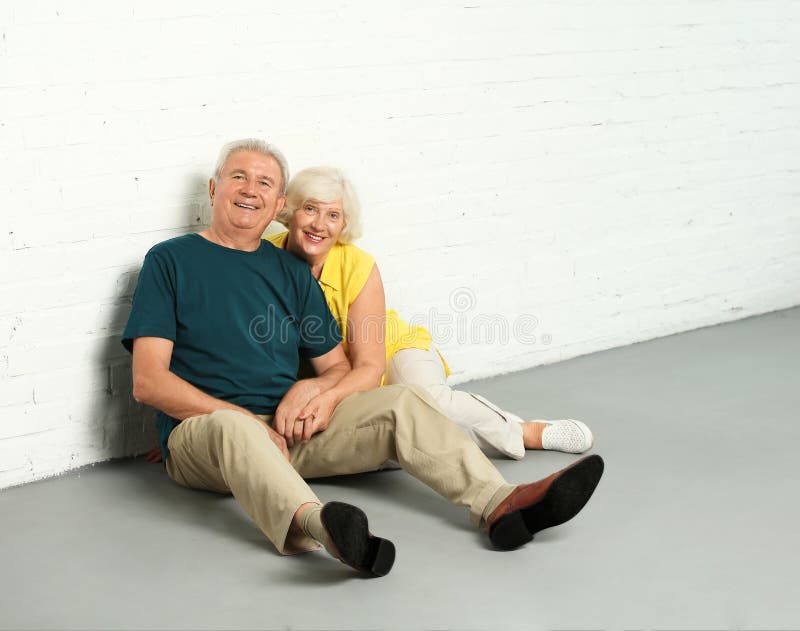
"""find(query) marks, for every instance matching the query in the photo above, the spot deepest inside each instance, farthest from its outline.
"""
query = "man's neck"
(246, 243)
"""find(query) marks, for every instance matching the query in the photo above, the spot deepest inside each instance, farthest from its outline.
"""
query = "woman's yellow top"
(343, 276)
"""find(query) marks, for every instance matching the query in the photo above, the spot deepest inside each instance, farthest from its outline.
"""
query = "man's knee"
(223, 423)
(431, 399)
(417, 399)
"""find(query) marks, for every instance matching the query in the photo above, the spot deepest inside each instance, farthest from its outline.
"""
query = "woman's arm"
(366, 333)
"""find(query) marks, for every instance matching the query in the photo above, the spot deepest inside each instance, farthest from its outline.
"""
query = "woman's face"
(315, 227)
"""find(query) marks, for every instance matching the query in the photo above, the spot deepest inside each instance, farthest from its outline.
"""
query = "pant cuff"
(295, 542)
(482, 501)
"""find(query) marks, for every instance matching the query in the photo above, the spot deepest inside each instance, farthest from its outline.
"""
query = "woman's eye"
(334, 216)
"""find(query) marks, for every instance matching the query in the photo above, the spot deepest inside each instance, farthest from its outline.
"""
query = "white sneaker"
(567, 435)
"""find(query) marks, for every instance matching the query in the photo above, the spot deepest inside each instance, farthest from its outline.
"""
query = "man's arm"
(155, 385)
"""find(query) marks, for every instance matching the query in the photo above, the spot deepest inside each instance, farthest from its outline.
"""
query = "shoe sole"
(348, 528)
(565, 498)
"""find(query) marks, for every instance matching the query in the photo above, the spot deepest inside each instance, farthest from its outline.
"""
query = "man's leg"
(404, 424)
(229, 452)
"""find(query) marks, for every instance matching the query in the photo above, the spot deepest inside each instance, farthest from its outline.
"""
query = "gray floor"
(695, 525)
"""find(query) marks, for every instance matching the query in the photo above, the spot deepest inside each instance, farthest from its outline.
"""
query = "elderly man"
(218, 324)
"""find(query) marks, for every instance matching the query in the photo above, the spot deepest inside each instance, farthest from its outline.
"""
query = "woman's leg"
(489, 426)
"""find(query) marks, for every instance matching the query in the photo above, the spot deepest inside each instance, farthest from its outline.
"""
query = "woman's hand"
(316, 415)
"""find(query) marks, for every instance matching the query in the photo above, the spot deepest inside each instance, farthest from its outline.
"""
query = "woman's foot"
(566, 435)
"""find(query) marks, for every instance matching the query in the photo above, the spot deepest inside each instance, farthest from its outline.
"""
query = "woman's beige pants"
(230, 452)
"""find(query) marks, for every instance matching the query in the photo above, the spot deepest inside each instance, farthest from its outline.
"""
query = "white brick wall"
(619, 170)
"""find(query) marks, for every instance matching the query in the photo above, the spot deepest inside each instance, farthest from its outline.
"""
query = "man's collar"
(331, 272)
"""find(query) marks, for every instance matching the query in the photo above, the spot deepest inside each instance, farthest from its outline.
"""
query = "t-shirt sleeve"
(153, 309)
(319, 333)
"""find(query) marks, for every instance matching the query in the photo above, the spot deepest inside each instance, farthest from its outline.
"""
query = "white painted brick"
(56, 11)
(59, 323)
(62, 385)
(34, 358)
(22, 420)
(619, 171)
(16, 391)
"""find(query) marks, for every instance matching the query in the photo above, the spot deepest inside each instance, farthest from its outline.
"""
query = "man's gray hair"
(259, 146)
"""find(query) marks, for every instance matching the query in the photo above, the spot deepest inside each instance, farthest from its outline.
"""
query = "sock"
(499, 495)
(312, 526)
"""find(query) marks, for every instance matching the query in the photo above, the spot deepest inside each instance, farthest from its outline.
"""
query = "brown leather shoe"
(544, 504)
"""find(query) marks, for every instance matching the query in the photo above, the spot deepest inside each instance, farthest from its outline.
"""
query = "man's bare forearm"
(178, 398)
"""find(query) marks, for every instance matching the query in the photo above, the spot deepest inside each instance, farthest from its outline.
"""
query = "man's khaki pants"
(229, 452)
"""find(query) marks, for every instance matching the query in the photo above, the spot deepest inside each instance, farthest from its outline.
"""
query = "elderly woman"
(322, 217)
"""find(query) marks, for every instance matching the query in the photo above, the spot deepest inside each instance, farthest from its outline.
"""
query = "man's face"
(247, 195)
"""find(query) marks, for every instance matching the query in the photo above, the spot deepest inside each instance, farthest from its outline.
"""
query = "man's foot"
(566, 435)
(352, 542)
(544, 504)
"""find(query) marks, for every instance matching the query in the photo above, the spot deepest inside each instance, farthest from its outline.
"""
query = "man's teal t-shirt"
(240, 321)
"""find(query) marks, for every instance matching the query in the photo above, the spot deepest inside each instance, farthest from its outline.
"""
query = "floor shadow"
(217, 512)
(121, 426)
(401, 488)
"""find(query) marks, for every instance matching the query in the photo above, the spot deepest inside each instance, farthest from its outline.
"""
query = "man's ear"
(211, 184)
(280, 205)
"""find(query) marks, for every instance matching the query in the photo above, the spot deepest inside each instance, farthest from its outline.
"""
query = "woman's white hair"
(327, 185)
(259, 146)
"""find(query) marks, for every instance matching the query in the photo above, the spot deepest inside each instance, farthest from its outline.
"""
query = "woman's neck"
(316, 263)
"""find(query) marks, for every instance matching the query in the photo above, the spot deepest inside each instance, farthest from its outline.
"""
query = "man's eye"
(334, 216)
(238, 177)
(264, 183)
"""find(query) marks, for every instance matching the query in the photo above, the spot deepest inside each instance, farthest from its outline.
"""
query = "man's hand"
(280, 441)
(316, 416)
(292, 404)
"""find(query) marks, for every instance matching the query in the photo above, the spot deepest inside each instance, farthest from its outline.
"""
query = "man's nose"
(249, 188)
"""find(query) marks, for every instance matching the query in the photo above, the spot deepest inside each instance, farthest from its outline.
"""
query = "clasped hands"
(304, 410)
